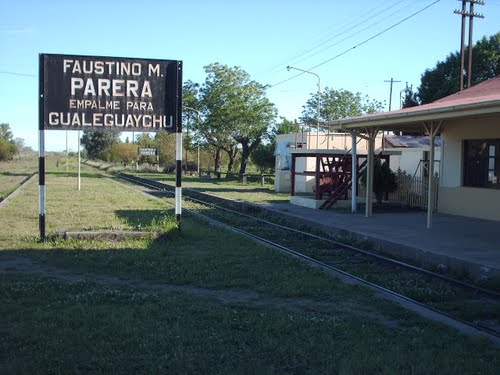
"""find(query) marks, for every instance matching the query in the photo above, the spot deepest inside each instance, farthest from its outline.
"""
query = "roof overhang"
(413, 119)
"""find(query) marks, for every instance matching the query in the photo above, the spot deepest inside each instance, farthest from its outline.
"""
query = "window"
(482, 163)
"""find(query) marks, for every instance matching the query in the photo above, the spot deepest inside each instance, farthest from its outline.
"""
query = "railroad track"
(467, 304)
(4, 201)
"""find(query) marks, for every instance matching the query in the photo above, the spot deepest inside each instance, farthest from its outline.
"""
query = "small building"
(286, 144)
(408, 154)
(469, 124)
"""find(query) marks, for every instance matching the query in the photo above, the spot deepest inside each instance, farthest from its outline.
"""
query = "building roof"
(406, 141)
(481, 99)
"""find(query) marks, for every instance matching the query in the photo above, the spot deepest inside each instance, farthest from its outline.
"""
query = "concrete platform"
(308, 202)
(464, 245)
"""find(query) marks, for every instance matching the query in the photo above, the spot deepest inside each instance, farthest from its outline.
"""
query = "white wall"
(333, 141)
(410, 158)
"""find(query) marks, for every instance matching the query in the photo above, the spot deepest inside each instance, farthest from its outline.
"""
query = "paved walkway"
(460, 243)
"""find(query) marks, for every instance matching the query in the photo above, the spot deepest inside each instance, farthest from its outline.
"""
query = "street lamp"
(198, 115)
(319, 97)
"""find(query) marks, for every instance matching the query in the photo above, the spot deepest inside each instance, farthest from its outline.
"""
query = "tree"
(410, 98)
(235, 110)
(19, 142)
(5, 132)
(98, 143)
(8, 146)
(232, 153)
(7, 150)
(256, 116)
(123, 152)
(216, 96)
(284, 127)
(338, 104)
(145, 140)
(263, 157)
(443, 79)
(165, 142)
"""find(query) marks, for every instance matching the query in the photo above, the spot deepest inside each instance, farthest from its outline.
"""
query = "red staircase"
(344, 182)
(333, 173)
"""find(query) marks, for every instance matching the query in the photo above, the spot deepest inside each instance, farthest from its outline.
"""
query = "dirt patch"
(111, 235)
(245, 298)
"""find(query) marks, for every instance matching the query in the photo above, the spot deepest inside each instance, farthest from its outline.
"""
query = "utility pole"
(392, 81)
(318, 112)
(471, 16)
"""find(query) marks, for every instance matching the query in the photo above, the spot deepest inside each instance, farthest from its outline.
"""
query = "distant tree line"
(230, 120)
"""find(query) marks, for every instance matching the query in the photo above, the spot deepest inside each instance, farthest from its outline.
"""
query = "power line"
(359, 44)
(374, 23)
(378, 34)
(18, 74)
(344, 28)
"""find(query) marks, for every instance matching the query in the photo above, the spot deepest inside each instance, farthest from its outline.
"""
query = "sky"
(396, 39)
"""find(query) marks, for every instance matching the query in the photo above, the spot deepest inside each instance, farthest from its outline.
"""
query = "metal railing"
(411, 191)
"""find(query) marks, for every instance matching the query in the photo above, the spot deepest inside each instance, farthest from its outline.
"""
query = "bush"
(7, 150)
(263, 157)
(191, 166)
(123, 152)
(169, 168)
(384, 180)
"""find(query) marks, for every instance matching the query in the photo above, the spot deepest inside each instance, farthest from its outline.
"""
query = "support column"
(372, 134)
(369, 176)
(432, 129)
(292, 176)
(317, 195)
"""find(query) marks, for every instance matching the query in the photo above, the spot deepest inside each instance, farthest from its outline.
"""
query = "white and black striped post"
(41, 150)
(178, 176)
(178, 148)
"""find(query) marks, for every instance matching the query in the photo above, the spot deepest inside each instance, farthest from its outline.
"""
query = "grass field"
(199, 301)
(252, 192)
(14, 173)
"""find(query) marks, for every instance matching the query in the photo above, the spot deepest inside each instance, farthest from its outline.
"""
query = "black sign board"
(148, 151)
(110, 93)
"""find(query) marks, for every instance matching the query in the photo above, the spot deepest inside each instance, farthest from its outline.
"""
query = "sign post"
(79, 183)
(106, 93)
(41, 150)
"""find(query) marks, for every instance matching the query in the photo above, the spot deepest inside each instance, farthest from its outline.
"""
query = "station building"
(462, 152)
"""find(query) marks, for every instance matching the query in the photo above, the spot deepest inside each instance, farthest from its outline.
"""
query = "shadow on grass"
(25, 174)
(75, 174)
(231, 190)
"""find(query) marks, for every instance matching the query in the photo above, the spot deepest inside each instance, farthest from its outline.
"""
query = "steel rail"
(491, 334)
(6, 199)
(472, 287)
